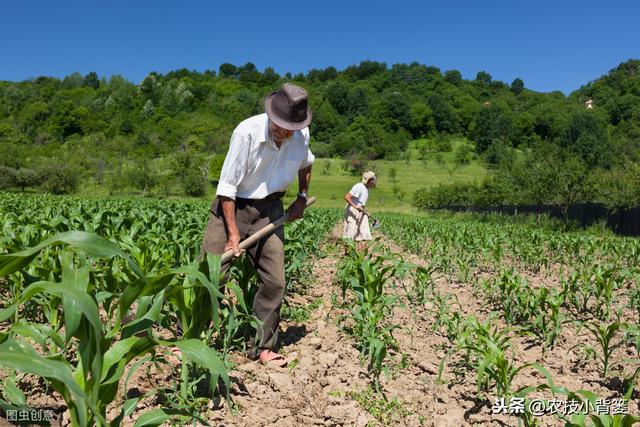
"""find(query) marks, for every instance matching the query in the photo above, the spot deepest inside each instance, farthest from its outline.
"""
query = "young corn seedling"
(577, 290)
(490, 353)
(546, 318)
(441, 310)
(605, 281)
(604, 336)
(366, 276)
(423, 284)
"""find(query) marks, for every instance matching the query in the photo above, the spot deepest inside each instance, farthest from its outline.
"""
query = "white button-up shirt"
(255, 167)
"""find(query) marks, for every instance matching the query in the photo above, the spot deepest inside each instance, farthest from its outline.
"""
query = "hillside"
(162, 135)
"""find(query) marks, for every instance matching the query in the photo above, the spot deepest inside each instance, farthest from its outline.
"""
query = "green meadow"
(397, 179)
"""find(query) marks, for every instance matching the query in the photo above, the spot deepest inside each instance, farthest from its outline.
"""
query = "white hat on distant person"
(367, 176)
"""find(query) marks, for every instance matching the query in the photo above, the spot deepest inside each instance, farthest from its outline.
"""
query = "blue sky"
(551, 45)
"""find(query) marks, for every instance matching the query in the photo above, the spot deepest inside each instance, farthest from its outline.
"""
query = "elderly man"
(266, 152)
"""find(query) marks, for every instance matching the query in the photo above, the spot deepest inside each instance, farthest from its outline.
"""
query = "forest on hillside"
(174, 128)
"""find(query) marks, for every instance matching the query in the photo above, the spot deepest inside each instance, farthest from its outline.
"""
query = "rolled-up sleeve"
(235, 165)
(308, 161)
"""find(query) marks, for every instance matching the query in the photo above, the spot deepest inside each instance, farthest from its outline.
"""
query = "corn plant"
(605, 281)
(441, 311)
(586, 401)
(604, 336)
(577, 290)
(90, 383)
(634, 301)
(366, 275)
(489, 351)
(547, 321)
(632, 336)
(423, 285)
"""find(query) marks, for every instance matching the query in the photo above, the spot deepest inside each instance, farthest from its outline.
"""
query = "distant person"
(266, 153)
(356, 217)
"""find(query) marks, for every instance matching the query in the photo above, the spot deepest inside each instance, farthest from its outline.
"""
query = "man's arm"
(296, 210)
(304, 179)
(229, 213)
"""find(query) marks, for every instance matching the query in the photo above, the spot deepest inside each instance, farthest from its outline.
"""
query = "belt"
(270, 198)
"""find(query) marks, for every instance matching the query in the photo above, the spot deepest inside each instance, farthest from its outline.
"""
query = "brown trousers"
(267, 257)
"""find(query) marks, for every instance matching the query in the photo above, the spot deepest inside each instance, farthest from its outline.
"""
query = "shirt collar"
(264, 134)
(264, 131)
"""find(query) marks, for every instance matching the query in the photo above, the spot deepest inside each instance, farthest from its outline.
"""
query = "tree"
(33, 117)
(142, 176)
(453, 76)
(27, 178)
(59, 178)
(421, 120)
(91, 80)
(228, 70)
(462, 154)
(151, 88)
(248, 73)
(619, 187)
(586, 136)
(492, 123)
(483, 78)
(517, 86)
(269, 77)
(443, 115)
(7, 177)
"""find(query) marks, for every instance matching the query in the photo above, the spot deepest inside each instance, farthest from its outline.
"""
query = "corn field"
(92, 289)
(437, 320)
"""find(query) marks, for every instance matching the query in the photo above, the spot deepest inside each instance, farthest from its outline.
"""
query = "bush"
(499, 153)
(60, 178)
(355, 166)
(194, 183)
(456, 194)
(7, 177)
(27, 178)
(215, 168)
(490, 193)
(462, 154)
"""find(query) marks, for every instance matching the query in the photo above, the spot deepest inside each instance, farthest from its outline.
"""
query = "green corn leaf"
(78, 278)
(146, 321)
(140, 288)
(37, 332)
(13, 394)
(116, 353)
(153, 418)
(202, 355)
(23, 359)
(88, 242)
(122, 355)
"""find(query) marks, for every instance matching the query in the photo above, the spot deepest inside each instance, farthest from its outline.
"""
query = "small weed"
(235, 409)
(382, 409)
(293, 365)
(336, 393)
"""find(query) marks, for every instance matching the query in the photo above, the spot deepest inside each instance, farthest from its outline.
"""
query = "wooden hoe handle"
(246, 243)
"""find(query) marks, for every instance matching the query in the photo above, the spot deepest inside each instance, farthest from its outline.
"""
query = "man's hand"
(296, 210)
(232, 244)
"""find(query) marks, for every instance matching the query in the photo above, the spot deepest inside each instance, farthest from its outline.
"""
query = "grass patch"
(330, 182)
(300, 313)
(384, 410)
